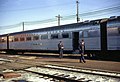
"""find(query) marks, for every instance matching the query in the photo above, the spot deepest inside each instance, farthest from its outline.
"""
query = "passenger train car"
(101, 36)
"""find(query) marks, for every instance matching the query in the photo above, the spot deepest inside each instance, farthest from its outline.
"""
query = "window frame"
(36, 37)
(16, 39)
(28, 38)
(44, 36)
(85, 34)
(22, 38)
(54, 37)
(64, 34)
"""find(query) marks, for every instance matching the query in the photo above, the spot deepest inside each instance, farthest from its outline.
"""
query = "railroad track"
(60, 77)
(70, 74)
(58, 73)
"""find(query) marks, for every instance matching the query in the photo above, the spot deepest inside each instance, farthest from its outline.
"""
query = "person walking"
(60, 49)
(82, 50)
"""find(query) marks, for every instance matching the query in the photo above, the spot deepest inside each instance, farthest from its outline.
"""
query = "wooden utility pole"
(58, 17)
(78, 19)
(23, 25)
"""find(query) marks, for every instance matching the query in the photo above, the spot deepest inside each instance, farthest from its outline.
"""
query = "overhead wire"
(83, 15)
(39, 7)
(96, 12)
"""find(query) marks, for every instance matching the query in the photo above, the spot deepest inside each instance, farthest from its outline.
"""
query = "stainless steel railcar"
(100, 37)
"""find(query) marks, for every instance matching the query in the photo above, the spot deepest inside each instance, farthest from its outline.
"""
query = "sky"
(14, 12)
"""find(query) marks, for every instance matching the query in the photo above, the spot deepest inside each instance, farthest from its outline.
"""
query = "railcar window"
(15, 39)
(85, 34)
(93, 33)
(119, 30)
(65, 35)
(54, 36)
(28, 38)
(22, 39)
(3, 40)
(35, 37)
(44, 36)
(112, 31)
(11, 38)
(0, 40)
(81, 34)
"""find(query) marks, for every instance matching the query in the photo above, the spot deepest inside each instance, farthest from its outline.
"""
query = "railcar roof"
(49, 28)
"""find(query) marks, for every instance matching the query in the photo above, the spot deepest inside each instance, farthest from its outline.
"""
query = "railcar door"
(7, 42)
(75, 40)
(103, 29)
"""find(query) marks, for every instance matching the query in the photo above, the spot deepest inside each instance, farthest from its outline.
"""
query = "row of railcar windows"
(53, 36)
(37, 37)
(58, 36)
(28, 38)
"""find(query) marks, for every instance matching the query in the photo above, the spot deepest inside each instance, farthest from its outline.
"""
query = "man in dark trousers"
(60, 48)
(82, 50)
